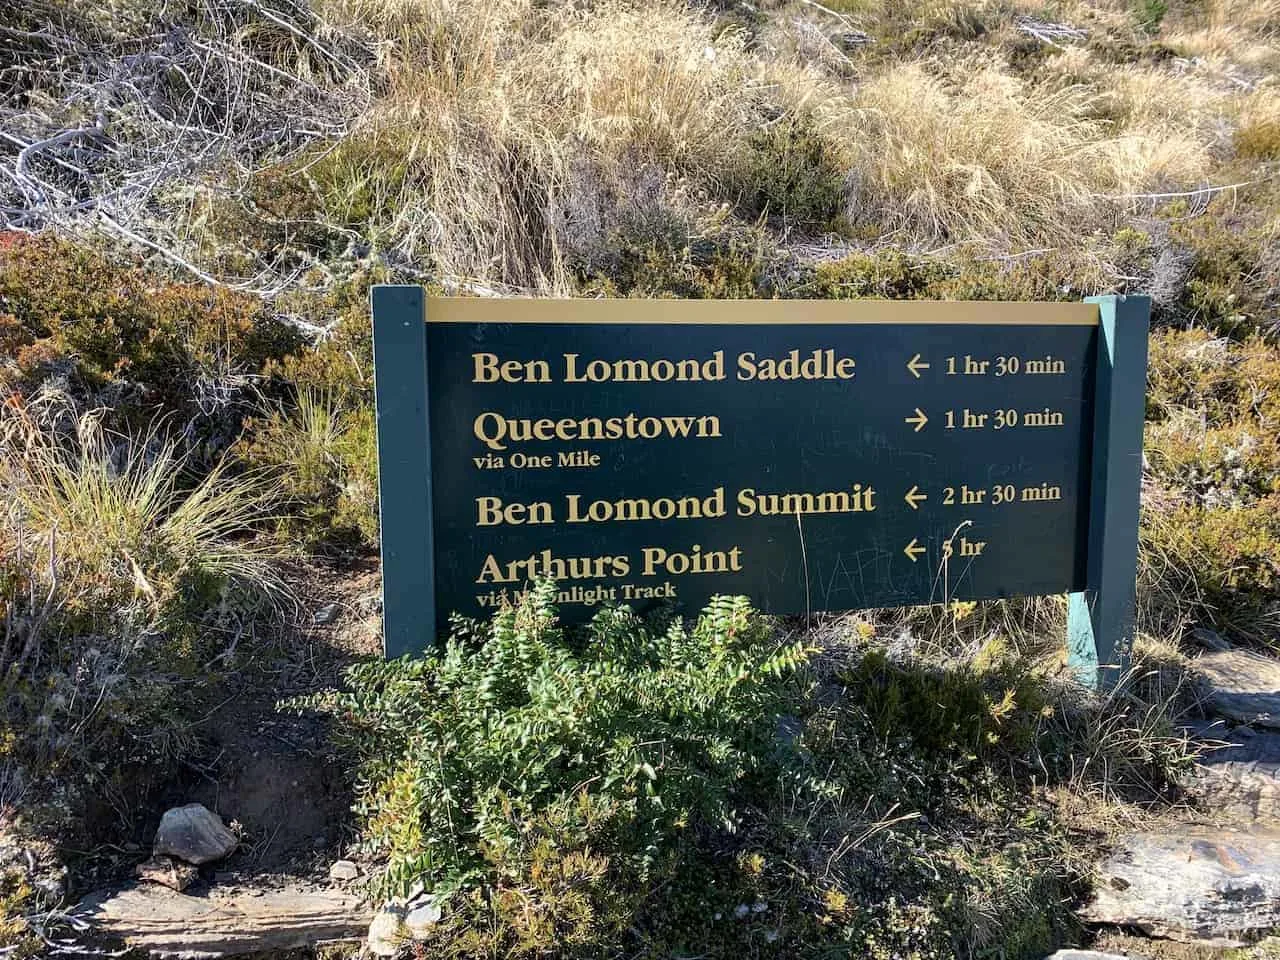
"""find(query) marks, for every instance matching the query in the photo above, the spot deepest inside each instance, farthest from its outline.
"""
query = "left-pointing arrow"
(919, 420)
(915, 365)
(914, 498)
(913, 550)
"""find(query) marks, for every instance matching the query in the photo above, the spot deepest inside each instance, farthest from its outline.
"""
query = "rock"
(327, 614)
(1192, 884)
(1241, 686)
(194, 834)
(387, 931)
(343, 870)
(168, 872)
(422, 916)
(1209, 639)
(1238, 774)
(170, 924)
(1088, 955)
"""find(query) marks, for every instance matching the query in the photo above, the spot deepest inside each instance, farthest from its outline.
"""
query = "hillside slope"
(195, 199)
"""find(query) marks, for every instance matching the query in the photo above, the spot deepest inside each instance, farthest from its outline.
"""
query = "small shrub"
(1213, 449)
(791, 174)
(720, 263)
(893, 274)
(1235, 273)
(889, 274)
(1150, 14)
(1232, 555)
(1223, 382)
(118, 336)
(514, 741)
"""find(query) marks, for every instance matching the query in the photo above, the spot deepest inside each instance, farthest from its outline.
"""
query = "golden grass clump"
(515, 138)
(653, 84)
(1227, 33)
(987, 156)
(1187, 110)
(111, 521)
(492, 111)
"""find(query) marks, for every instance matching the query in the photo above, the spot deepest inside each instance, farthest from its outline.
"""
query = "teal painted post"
(404, 469)
(1101, 620)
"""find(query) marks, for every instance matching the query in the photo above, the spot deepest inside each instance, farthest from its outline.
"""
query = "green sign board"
(812, 455)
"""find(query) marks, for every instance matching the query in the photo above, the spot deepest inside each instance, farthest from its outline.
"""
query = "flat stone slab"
(1220, 887)
(224, 924)
(1241, 685)
(1089, 955)
(1238, 775)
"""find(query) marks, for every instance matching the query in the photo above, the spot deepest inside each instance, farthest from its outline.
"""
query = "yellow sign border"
(746, 312)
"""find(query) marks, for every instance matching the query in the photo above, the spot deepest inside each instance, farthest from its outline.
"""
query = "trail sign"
(812, 455)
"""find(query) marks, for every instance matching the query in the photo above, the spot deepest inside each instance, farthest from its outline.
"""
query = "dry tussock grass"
(1156, 104)
(493, 109)
(106, 516)
(987, 156)
(1227, 33)
(512, 129)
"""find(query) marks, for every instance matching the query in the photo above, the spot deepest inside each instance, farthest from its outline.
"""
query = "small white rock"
(343, 870)
(326, 614)
(741, 910)
(422, 917)
(386, 931)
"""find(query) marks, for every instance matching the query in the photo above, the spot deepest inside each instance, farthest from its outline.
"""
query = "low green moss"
(721, 264)
(894, 274)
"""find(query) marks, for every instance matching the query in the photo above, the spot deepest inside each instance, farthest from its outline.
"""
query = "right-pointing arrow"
(913, 550)
(919, 420)
(914, 497)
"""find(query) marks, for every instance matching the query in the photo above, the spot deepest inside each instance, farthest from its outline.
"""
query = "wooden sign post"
(811, 455)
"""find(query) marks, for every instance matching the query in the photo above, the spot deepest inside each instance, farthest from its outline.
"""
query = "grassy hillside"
(195, 199)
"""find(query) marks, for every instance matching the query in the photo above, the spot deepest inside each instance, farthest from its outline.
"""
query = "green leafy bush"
(515, 740)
